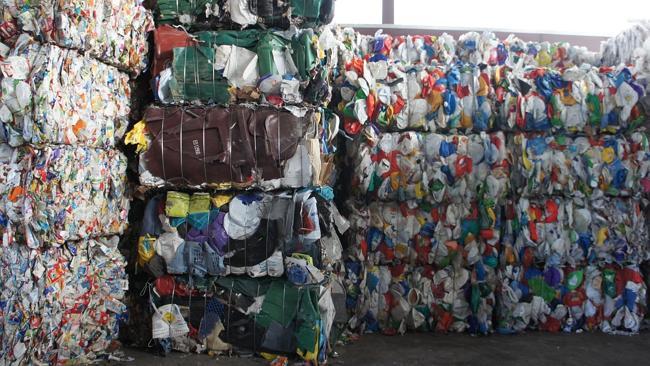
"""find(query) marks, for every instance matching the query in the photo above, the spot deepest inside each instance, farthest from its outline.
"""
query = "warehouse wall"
(591, 42)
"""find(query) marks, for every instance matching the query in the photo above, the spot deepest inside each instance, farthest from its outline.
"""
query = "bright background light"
(575, 17)
(358, 11)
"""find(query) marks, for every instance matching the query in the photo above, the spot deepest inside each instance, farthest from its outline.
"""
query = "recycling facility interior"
(244, 177)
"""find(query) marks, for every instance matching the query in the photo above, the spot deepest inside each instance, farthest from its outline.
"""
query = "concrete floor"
(530, 349)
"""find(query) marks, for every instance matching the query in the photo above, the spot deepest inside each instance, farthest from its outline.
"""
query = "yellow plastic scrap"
(483, 88)
(466, 121)
(602, 236)
(401, 250)
(138, 136)
(435, 100)
(305, 257)
(221, 199)
(567, 98)
(608, 155)
(510, 255)
(268, 356)
(222, 186)
(419, 191)
(341, 105)
(421, 220)
(394, 181)
(497, 76)
(491, 214)
(145, 249)
(543, 58)
(178, 204)
(199, 202)
(390, 113)
(528, 165)
(319, 50)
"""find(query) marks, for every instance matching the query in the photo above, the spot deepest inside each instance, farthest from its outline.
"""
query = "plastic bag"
(276, 148)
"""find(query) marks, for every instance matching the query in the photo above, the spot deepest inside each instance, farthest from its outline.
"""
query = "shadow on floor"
(529, 349)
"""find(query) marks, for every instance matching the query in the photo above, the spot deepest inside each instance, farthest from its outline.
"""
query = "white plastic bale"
(56, 194)
(113, 31)
(52, 95)
(63, 304)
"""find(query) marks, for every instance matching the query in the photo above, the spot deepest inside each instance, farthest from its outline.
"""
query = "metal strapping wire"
(205, 311)
(181, 143)
(205, 171)
(277, 111)
(214, 92)
(185, 71)
(232, 283)
(197, 81)
(266, 243)
(189, 306)
(256, 173)
(246, 250)
(284, 294)
(173, 294)
(162, 144)
(229, 147)
(257, 294)
(302, 155)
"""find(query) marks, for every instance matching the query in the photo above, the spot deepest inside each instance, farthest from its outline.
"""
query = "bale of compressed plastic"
(114, 32)
(61, 305)
(52, 95)
(208, 235)
(225, 67)
(580, 166)
(571, 231)
(237, 146)
(480, 83)
(430, 167)
(250, 266)
(62, 193)
(235, 14)
(427, 267)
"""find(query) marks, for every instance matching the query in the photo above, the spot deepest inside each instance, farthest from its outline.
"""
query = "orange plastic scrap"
(16, 193)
